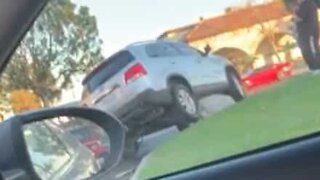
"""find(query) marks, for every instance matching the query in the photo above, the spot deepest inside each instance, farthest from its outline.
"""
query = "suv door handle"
(172, 62)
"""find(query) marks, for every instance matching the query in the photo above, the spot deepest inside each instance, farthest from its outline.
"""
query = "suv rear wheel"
(185, 105)
(236, 89)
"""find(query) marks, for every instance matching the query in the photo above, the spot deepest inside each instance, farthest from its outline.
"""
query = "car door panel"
(295, 160)
(263, 76)
(197, 70)
(164, 61)
(270, 75)
(196, 66)
(216, 68)
(210, 71)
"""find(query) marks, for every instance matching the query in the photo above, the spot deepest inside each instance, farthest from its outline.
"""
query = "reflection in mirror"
(67, 148)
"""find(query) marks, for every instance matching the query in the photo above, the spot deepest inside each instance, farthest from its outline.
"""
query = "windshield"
(175, 73)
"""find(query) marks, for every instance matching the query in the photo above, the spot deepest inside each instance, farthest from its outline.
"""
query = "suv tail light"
(134, 72)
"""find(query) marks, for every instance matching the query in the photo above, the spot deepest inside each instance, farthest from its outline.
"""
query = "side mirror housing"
(20, 154)
(207, 50)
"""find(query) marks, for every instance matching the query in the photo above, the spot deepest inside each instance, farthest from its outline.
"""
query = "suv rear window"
(107, 69)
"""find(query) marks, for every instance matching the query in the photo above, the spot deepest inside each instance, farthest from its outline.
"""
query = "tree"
(24, 100)
(2, 109)
(62, 43)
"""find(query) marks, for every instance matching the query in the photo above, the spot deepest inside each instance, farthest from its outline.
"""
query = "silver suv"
(147, 79)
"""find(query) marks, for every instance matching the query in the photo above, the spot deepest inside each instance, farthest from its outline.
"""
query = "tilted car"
(144, 79)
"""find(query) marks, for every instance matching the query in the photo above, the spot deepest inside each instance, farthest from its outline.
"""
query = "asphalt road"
(209, 106)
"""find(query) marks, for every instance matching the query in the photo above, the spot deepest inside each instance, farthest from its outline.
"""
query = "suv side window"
(161, 50)
(184, 49)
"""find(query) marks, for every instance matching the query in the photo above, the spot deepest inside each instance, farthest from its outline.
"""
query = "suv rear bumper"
(144, 103)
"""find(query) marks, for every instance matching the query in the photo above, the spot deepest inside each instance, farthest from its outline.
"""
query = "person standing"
(305, 16)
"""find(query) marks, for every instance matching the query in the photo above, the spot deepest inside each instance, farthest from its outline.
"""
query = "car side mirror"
(60, 143)
(207, 50)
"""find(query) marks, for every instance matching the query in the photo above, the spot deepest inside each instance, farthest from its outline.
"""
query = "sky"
(121, 22)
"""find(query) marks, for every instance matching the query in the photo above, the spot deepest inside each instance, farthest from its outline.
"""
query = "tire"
(131, 147)
(236, 90)
(185, 106)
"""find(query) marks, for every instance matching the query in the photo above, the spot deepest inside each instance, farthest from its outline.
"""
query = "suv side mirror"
(60, 143)
(207, 50)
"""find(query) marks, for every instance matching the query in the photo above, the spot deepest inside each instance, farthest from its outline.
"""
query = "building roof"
(178, 34)
(230, 21)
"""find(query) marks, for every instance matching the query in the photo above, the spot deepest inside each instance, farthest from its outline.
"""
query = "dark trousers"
(309, 46)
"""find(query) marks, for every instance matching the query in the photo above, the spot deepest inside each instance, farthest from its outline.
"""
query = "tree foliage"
(24, 100)
(62, 43)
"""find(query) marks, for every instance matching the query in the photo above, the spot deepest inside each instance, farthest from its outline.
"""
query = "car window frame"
(188, 51)
(163, 55)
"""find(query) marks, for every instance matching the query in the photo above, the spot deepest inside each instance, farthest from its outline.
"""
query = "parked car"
(91, 139)
(267, 75)
(86, 133)
(144, 79)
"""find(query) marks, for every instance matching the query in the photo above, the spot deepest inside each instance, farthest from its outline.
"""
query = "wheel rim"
(238, 85)
(187, 102)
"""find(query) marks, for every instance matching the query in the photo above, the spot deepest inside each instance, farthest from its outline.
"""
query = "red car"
(267, 75)
(95, 145)
(92, 140)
